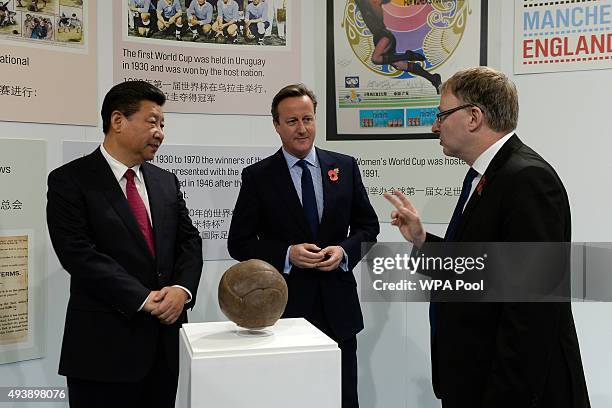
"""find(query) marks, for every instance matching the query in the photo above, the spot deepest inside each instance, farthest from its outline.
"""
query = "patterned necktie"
(450, 235)
(309, 201)
(139, 210)
(465, 192)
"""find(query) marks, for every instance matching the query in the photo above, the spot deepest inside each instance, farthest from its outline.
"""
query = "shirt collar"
(311, 158)
(482, 162)
(117, 167)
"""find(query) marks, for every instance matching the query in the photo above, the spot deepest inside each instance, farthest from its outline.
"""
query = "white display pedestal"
(297, 366)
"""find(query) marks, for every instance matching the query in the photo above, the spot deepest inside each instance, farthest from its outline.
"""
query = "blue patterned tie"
(465, 192)
(309, 201)
(450, 234)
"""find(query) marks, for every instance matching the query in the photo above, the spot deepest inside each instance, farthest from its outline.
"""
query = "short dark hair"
(126, 97)
(291, 91)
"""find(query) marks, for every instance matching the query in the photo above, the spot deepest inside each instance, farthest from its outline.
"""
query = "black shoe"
(436, 81)
(414, 56)
(178, 37)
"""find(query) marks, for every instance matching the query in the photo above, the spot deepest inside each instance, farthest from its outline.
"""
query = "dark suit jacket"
(268, 218)
(98, 241)
(496, 355)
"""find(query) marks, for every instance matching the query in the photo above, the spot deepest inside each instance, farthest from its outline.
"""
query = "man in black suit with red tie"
(498, 355)
(120, 228)
(305, 211)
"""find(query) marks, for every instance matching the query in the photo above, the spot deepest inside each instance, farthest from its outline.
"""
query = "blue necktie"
(465, 192)
(309, 201)
(450, 234)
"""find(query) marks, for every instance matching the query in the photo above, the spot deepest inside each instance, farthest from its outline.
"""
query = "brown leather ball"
(253, 294)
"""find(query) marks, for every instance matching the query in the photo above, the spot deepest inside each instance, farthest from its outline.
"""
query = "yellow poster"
(23, 243)
(13, 289)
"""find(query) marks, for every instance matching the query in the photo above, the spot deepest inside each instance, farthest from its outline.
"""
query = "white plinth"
(297, 366)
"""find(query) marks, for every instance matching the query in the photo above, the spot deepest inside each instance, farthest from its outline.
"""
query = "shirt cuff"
(288, 265)
(344, 263)
(143, 303)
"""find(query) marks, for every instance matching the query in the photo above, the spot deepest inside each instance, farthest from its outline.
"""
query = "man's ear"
(116, 121)
(477, 118)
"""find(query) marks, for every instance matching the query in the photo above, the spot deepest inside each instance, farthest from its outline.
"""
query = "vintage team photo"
(245, 22)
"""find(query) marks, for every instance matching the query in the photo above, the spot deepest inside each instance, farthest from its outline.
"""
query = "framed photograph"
(386, 61)
(209, 56)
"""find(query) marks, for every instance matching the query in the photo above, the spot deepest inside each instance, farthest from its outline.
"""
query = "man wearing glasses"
(498, 354)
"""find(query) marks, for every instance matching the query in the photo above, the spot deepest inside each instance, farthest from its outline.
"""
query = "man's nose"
(435, 128)
(301, 127)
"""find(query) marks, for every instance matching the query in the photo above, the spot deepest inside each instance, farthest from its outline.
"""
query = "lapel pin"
(481, 185)
(333, 174)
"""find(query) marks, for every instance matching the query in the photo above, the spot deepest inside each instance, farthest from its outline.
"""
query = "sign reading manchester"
(562, 35)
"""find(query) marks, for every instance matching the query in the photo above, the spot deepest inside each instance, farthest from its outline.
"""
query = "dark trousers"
(348, 350)
(156, 390)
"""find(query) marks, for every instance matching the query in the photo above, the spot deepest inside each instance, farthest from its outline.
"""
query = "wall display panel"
(210, 179)
(48, 61)
(176, 47)
(562, 35)
(385, 63)
(22, 249)
(417, 168)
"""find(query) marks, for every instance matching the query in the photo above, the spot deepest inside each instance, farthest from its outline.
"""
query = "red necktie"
(139, 209)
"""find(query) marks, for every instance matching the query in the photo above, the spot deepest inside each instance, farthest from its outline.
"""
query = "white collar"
(482, 162)
(310, 158)
(117, 167)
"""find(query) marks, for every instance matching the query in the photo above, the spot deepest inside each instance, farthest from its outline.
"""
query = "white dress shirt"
(119, 170)
(296, 176)
(482, 162)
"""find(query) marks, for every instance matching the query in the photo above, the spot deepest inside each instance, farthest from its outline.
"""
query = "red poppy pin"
(333, 174)
(481, 185)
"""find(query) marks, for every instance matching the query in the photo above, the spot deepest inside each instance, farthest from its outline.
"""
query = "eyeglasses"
(441, 115)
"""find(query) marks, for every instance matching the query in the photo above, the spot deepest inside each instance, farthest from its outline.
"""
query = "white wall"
(563, 116)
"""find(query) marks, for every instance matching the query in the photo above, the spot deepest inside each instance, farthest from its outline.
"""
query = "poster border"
(331, 124)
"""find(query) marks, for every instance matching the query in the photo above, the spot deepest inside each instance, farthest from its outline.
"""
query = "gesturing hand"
(406, 218)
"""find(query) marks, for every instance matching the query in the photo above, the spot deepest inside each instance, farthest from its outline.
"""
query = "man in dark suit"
(120, 228)
(305, 211)
(487, 355)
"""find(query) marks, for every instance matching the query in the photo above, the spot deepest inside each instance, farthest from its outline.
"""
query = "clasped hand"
(310, 256)
(166, 304)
